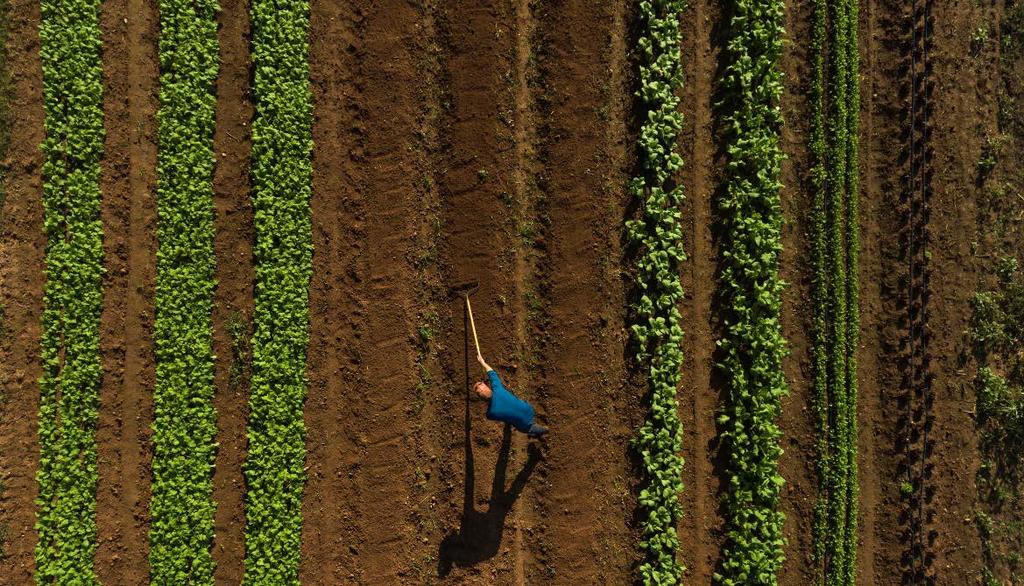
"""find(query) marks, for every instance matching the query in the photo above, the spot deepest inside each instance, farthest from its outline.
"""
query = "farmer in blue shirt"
(504, 406)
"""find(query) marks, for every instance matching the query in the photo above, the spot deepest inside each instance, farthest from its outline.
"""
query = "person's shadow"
(479, 534)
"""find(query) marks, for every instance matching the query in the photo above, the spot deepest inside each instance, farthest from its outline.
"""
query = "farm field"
(755, 263)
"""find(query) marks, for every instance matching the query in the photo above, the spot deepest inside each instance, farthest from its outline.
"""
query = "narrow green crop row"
(184, 426)
(69, 387)
(658, 237)
(752, 346)
(281, 177)
(834, 147)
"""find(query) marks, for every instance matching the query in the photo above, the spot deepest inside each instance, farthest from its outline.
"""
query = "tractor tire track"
(363, 449)
(917, 421)
(128, 182)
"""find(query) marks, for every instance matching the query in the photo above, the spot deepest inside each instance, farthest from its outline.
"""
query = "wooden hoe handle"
(472, 325)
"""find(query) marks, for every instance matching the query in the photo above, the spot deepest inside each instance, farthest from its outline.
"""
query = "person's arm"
(487, 367)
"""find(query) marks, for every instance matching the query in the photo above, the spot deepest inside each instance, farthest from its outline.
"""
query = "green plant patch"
(657, 235)
(184, 425)
(281, 179)
(752, 346)
(69, 38)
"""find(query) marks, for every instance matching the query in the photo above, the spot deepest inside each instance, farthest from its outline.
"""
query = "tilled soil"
(491, 142)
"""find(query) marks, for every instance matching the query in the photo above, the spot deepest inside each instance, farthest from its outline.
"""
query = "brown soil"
(21, 294)
(698, 397)
(128, 182)
(492, 141)
(232, 302)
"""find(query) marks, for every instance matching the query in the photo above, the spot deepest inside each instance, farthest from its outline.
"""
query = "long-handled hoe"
(465, 290)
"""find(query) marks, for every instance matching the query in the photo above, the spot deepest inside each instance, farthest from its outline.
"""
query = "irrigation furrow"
(917, 377)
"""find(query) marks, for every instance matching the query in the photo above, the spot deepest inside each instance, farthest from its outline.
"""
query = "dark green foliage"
(658, 236)
(69, 387)
(752, 347)
(281, 177)
(835, 98)
(184, 426)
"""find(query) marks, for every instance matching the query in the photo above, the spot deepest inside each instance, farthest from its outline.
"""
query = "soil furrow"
(951, 162)
(477, 182)
(870, 444)
(797, 420)
(330, 538)
(128, 184)
(586, 535)
(525, 173)
(22, 243)
(698, 396)
(364, 294)
(232, 301)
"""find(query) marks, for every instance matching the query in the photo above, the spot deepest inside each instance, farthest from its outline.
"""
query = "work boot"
(536, 430)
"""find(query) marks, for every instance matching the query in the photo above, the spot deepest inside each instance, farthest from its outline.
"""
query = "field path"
(232, 301)
(128, 184)
(21, 293)
(701, 385)
(364, 449)
(582, 499)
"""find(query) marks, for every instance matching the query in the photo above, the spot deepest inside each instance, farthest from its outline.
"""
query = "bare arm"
(480, 359)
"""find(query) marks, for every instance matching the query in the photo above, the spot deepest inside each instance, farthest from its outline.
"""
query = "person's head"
(482, 390)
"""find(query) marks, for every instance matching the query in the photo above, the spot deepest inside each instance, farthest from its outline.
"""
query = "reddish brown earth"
(232, 307)
(21, 291)
(491, 141)
(128, 184)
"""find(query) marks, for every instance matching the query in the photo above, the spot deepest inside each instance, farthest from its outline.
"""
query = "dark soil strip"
(586, 535)
(796, 420)
(331, 541)
(232, 302)
(365, 400)
(949, 436)
(869, 401)
(698, 396)
(129, 216)
(880, 193)
(22, 242)
(477, 180)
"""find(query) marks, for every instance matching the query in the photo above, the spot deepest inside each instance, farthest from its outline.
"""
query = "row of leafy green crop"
(281, 177)
(184, 426)
(69, 387)
(835, 103)
(752, 345)
(657, 236)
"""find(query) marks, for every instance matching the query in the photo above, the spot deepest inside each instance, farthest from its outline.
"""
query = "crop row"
(69, 387)
(752, 346)
(281, 180)
(834, 179)
(184, 426)
(658, 238)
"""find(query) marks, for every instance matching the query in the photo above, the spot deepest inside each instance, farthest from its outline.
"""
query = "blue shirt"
(506, 407)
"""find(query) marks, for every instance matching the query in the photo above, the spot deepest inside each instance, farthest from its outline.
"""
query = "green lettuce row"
(281, 177)
(184, 426)
(752, 346)
(836, 286)
(658, 237)
(72, 298)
